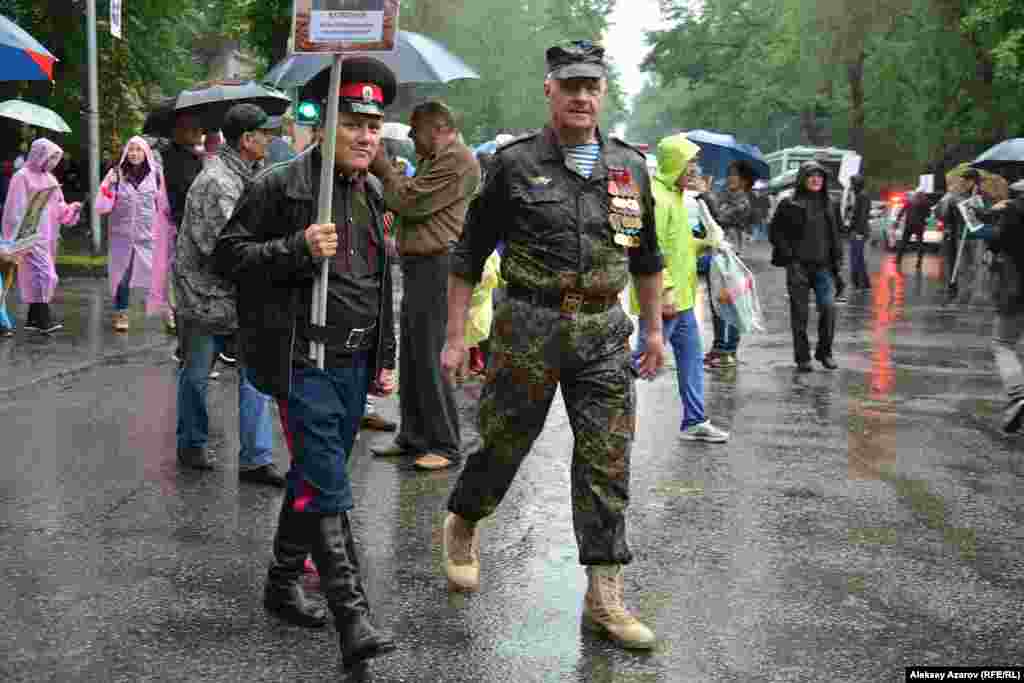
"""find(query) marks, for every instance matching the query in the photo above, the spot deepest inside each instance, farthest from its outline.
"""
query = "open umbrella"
(718, 150)
(34, 115)
(22, 57)
(210, 102)
(1006, 159)
(416, 59)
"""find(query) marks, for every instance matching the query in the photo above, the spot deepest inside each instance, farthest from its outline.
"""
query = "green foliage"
(155, 57)
(912, 84)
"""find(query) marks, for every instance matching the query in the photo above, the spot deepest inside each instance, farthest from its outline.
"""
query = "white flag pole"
(323, 211)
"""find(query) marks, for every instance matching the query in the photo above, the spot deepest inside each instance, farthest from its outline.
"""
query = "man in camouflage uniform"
(576, 215)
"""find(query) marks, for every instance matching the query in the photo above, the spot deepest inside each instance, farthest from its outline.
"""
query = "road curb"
(79, 368)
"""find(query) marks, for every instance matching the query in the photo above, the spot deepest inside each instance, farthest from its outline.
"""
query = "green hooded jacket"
(675, 238)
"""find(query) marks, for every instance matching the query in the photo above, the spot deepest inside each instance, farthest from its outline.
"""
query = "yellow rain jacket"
(481, 305)
(675, 237)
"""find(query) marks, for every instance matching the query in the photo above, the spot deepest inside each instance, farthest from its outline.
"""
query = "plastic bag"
(734, 292)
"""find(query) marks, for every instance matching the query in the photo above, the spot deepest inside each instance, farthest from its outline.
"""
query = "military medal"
(624, 210)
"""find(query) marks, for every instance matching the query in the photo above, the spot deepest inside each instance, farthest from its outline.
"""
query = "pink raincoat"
(138, 228)
(37, 276)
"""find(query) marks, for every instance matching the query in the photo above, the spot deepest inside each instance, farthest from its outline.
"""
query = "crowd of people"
(554, 226)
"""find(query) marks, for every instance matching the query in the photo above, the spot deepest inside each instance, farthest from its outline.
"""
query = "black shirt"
(354, 276)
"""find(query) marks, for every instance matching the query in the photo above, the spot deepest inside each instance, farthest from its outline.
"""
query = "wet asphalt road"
(858, 522)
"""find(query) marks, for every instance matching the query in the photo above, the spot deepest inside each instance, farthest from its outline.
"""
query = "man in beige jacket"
(432, 206)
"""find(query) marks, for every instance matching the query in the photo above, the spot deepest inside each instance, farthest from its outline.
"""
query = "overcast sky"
(625, 42)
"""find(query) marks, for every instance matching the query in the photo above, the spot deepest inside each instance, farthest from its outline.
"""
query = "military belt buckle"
(572, 302)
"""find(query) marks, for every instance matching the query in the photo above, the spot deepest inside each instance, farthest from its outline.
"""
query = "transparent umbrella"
(33, 115)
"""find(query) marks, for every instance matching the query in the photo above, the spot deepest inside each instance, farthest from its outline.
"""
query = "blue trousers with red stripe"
(321, 419)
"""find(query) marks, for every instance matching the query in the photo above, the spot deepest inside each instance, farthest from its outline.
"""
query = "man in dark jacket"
(915, 213)
(805, 237)
(273, 248)
(860, 229)
(1008, 242)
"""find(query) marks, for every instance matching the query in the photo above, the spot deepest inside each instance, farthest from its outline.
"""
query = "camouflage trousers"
(533, 351)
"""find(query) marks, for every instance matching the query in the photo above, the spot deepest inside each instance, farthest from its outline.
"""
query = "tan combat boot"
(461, 553)
(603, 610)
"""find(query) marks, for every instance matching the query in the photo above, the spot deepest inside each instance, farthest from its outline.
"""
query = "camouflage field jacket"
(204, 296)
(562, 231)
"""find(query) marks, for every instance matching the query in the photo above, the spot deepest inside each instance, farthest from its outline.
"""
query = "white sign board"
(849, 167)
(340, 26)
(115, 18)
(346, 27)
(926, 184)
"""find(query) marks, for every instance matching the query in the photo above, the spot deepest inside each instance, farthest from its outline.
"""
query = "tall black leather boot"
(342, 584)
(283, 594)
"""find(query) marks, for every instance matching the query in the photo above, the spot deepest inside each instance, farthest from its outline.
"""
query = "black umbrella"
(210, 101)
(416, 59)
(1005, 159)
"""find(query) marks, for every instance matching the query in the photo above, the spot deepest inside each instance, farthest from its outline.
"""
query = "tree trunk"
(811, 128)
(855, 76)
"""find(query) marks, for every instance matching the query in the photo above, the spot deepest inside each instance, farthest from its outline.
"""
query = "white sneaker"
(705, 431)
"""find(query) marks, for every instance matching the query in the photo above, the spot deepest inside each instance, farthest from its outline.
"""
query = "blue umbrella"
(22, 57)
(718, 150)
(416, 59)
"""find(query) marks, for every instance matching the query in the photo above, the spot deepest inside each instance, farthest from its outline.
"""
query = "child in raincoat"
(35, 203)
(481, 312)
(135, 196)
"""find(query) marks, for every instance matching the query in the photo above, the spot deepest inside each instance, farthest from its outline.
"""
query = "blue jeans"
(122, 297)
(683, 334)
(321, 419)
(727, 337)
(255, 433)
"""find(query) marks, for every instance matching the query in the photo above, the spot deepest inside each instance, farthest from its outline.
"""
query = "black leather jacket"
(263, 248)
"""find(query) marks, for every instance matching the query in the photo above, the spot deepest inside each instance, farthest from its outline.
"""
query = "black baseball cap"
(244, 118)
(367, 86)
(576, 59)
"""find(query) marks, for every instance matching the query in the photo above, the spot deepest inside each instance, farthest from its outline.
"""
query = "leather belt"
(568, 302)
(354, 338)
